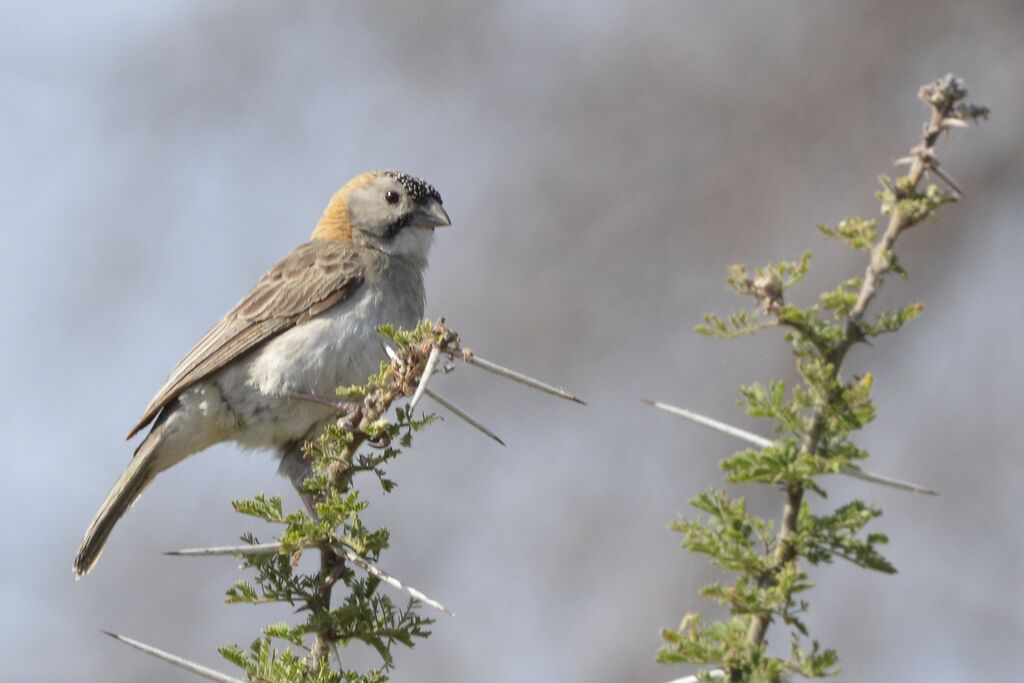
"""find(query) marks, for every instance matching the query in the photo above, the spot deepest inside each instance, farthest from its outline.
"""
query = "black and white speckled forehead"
(417, 189)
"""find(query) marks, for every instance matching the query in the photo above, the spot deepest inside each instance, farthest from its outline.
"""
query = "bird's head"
(391, 211)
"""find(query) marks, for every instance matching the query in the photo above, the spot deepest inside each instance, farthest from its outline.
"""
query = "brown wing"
(311, 279)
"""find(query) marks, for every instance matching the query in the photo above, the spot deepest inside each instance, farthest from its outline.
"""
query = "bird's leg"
(296, 467)
(310, 502)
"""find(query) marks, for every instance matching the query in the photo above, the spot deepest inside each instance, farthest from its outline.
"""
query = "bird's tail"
(130, 485)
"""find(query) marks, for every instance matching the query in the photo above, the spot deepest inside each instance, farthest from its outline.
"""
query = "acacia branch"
(944, 96)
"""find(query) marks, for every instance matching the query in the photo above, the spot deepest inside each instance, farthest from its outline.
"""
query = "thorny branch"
(944, 96)
(407, 374)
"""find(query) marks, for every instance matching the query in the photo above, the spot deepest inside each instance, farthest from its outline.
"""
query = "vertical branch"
(323, 640)
(402, 377)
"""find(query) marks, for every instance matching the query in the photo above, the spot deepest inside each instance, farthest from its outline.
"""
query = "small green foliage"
(855, 231)
(730, 536)
(265, 664)
(842, 299)
(892, 321)
(364, 613)
(920, 206)
(781, 275)
(911, 203)
(739, 324)
(822, 538)
(267, 509)
(767, 286)
(722, 644)
(770, 401)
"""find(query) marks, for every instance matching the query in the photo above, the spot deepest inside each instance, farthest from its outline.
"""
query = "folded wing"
(310, 280)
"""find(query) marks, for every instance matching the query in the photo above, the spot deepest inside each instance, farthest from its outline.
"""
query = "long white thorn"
(459, 412)
(237, 550)
(517, 377)
(374, 570)
(864, 475)
(428, 371)
(351, 556)
(762, 442)
(714, 673)
(712, 424)
(197, 669)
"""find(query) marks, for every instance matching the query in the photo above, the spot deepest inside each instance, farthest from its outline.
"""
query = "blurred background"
(602, 163)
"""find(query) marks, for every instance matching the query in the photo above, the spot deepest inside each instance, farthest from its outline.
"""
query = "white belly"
(341, 347)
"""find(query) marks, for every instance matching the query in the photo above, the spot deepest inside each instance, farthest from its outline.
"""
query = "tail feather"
(129, 487)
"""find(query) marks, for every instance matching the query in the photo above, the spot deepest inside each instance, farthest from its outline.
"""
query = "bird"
(259, 377)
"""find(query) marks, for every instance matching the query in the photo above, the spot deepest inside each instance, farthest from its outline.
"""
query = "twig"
(197, 669)
(350, 555)
(428, 371)
(762, 442)
(489, 366)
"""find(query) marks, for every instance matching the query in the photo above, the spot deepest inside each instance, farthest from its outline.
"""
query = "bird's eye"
(391, 196)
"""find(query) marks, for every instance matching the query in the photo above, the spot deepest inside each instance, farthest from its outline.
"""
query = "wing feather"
(311, 279)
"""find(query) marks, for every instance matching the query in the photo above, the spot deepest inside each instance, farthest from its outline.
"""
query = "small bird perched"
(261, 375)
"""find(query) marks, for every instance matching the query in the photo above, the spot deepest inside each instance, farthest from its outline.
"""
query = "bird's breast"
(339, 347)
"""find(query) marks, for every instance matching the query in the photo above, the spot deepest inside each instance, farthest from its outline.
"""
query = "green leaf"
(855, 231)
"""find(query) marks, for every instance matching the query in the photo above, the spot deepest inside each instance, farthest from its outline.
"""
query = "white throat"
(410, 243)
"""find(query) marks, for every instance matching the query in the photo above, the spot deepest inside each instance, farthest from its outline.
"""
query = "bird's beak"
(430, 214)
